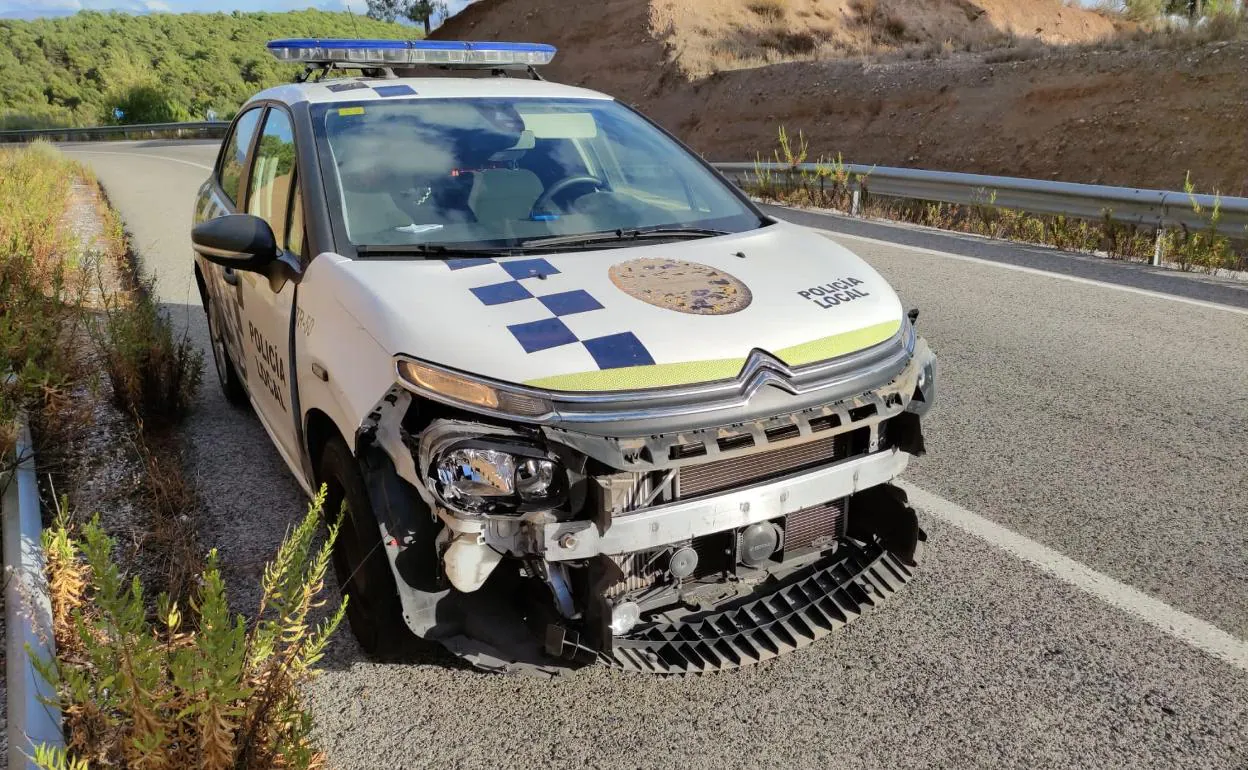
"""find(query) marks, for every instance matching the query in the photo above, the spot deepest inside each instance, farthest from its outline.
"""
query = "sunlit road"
(1084, 602)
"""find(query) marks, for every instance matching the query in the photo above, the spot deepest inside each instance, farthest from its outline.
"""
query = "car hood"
(627, 318)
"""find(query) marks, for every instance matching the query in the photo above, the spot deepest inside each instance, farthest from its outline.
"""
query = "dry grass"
(154, 374)
(43, 284)
(830, 186)
(769, 10)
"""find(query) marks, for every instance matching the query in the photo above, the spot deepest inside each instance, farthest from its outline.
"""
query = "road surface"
(1084, 602)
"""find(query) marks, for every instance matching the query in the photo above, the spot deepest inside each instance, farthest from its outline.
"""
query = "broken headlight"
(480, 477)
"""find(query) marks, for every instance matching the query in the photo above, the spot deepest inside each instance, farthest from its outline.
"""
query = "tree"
(415, 11)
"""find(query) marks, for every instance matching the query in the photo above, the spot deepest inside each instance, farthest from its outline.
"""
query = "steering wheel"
(563, 185)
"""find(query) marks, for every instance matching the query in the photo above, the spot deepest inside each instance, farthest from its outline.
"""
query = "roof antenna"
(354, 28)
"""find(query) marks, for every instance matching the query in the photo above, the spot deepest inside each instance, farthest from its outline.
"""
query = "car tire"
(231, 384)
(374, 610)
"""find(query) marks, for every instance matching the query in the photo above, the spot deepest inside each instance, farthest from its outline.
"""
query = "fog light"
(624, 616)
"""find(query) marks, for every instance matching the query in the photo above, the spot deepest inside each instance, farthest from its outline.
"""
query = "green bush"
(207, 689)
(144, 103)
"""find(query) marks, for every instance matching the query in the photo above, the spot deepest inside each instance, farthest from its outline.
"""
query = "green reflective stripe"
(838, 344)
(691, 372)
(643, 377)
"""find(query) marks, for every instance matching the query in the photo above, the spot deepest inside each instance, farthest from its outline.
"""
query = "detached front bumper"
(810, 606)
(667, 524)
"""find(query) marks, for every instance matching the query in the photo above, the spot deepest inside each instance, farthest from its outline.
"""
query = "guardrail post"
(1159, 246)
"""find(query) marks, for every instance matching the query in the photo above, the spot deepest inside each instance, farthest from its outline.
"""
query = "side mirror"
(238, 241)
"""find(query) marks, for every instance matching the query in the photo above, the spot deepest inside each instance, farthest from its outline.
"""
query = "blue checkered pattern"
(614, 351)
(399, 90)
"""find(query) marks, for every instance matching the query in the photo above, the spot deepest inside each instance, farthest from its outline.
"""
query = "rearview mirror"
(238, 241)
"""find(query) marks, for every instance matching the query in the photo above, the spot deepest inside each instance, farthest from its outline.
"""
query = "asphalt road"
(1090, 435)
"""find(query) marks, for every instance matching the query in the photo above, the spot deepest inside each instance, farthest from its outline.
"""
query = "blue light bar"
(398, 53)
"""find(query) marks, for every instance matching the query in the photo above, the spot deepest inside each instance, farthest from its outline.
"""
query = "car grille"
(712, 477)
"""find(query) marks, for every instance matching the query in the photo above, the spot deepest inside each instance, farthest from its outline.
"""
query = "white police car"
(582, 400)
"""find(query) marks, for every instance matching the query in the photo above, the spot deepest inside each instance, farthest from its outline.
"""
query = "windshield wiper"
(428, 250)
(623, 236)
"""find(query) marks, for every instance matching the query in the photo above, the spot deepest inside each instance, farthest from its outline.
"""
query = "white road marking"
(1045, 273)
(138, 155)
(1186, 628)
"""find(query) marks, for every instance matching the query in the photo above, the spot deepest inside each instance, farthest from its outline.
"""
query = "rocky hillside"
(1016, 87)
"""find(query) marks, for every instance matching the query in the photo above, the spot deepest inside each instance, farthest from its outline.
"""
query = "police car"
(577, 398)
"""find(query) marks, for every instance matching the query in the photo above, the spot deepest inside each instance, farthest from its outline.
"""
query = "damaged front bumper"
(685, 549)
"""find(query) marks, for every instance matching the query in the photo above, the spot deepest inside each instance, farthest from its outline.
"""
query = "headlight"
(466, 390)
(490, 479)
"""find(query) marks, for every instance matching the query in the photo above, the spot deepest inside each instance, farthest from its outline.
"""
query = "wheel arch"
(201, 284)
(319, 430)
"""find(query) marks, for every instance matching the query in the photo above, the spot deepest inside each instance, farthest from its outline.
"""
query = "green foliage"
(209, 690)
(76, 70)
(1144, 10)
(416, 11)
(146, 103)
(827, 183)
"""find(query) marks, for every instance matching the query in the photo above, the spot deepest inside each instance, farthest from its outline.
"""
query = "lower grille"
(739, 471)
(809, 608)
(807, 527)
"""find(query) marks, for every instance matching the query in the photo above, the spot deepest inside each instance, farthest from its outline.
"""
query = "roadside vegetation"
(44, 288)
(96, 68)
(153, 669)
(180, 685)
(827, 183)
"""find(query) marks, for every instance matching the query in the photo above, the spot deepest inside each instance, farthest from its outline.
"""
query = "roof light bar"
(397, 53)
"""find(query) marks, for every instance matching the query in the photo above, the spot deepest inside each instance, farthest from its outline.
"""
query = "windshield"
(498, 173)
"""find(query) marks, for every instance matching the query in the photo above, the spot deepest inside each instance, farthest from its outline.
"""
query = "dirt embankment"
(1135, 118)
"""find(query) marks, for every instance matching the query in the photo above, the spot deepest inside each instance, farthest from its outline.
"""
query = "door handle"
(230, 276)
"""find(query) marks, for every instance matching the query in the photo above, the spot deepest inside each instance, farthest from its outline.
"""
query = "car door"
(223, 196)
(267, 305)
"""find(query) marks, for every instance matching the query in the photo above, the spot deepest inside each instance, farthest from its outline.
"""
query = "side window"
(272, 173)
(236, 154)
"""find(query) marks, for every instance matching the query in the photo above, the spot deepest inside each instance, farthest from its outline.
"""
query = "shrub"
(769, 10)
(154, 376)
(208, 689)
(1144, 10)
(144, 103)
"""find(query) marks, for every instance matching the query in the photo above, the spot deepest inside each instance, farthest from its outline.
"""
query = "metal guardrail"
(27, 613)
(201, 130)
(1156, 208)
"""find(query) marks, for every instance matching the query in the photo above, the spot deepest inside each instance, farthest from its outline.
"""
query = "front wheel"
(364, 575)
(231, 384)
